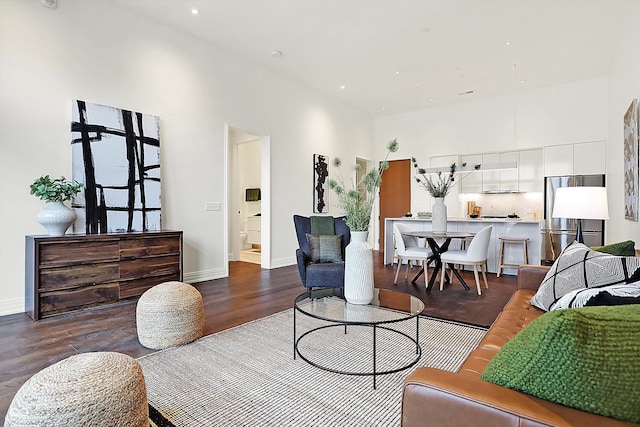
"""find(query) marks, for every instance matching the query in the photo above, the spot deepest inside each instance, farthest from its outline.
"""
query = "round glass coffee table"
(387, 309)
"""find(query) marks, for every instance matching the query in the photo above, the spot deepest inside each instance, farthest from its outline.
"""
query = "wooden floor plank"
(248, 294)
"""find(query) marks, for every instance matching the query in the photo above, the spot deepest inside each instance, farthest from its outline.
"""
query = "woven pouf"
(90, 389)
(169, 314)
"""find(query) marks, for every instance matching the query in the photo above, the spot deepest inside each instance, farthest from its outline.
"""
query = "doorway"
(247, 164)
(395, 193)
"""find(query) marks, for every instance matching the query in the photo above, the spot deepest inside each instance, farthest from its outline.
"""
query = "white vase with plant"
(55, 216)
(438, 186)
(358, 205)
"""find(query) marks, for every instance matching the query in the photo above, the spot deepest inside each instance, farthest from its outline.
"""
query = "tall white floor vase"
(439, 216)
(358, 269)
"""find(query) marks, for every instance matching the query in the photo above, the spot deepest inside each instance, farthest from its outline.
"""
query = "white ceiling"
(439, 47)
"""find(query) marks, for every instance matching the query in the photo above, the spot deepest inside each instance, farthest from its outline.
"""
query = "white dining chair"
(475, 255)
(407, 249)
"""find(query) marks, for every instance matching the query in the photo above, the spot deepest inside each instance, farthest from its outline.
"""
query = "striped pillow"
(325, 247)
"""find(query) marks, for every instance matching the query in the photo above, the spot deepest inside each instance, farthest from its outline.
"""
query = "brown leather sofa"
(439, 398)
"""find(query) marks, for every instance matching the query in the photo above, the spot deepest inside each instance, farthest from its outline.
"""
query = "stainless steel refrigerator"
(557, 233)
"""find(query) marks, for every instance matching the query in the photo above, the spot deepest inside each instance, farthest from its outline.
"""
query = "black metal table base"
(374, 372)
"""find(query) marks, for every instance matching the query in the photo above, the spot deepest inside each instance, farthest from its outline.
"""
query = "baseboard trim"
(283, 262)
(11, 306)
(204, 275)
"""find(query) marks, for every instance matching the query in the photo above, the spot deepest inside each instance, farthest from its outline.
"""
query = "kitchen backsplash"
(525, 205)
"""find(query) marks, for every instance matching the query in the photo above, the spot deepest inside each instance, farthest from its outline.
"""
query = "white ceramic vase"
(439, 216)
(56, 217)
(358, 269)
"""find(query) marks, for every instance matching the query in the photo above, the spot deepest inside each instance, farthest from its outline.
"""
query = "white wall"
(561, 114)
(98, 52)
(624, 83)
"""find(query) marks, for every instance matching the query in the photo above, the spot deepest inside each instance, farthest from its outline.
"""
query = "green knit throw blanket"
(586, 358)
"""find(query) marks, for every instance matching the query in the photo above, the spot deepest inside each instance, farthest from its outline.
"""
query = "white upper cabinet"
(587, 158)
(491, 178)
(530, 171)
(558, 160)
(471, 182)
(509, 177)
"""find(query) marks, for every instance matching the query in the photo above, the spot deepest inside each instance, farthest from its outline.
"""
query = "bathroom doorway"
(248, 197)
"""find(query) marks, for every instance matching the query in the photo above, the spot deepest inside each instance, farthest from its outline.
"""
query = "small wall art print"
(116, 155)
(631, 159)
(320, 185)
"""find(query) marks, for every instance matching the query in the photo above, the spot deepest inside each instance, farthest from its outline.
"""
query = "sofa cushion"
(579, 267)
(607, 295)
(626, 248)
(325, 247)
(583, 358)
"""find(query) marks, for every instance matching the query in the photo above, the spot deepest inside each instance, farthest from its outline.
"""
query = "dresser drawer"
(137, 248)
(78, 275)
(74, 299)
(76, 252)
(148, 267)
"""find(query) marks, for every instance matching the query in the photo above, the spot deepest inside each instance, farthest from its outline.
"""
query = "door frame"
(231, 198)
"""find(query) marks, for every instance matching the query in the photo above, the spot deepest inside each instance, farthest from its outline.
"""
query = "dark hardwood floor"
(249, 293)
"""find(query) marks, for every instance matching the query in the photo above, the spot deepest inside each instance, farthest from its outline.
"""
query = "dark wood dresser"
(77, 271)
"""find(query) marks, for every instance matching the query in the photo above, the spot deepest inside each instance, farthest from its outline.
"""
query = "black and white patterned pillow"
(626, 293)
(578, 267)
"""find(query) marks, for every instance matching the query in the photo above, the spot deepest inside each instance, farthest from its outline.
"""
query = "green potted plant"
(56, 217)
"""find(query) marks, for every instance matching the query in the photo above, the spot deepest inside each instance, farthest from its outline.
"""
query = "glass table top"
(387, 306)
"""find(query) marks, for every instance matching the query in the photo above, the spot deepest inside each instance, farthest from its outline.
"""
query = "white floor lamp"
(581, 203)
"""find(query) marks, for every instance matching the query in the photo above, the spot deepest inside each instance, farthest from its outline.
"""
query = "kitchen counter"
(502, 227)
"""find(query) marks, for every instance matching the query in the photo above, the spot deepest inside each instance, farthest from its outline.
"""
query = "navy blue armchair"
(324, 274)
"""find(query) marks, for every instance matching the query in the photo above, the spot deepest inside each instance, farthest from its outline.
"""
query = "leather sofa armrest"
(530, 276)
(433, 397)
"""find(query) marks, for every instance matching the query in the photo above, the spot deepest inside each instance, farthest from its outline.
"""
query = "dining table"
(439, 243)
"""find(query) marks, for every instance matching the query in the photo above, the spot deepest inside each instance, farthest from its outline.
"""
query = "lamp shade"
(581, 203)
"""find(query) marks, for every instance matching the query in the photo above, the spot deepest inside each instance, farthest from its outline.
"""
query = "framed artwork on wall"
(631, 160)
(320, 185)
(116, 155)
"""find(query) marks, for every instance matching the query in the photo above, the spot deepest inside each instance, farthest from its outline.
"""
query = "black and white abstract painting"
(116, 155)
(320, 185)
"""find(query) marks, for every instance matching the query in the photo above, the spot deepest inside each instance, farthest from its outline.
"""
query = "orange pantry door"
(395, 193)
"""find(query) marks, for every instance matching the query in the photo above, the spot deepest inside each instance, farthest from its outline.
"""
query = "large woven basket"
(169, 314)
(90, 389)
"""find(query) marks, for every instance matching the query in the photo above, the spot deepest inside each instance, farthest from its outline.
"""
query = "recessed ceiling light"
(343, 87)
(523, 81)
(195, 11)
(276, 53)
(397, 72)
(508, 43)
(430, 99)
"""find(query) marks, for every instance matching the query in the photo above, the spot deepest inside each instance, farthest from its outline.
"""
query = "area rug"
(247, 375)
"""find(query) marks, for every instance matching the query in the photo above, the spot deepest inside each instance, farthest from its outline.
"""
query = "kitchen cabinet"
(586, 158)
(75, 271)
(530, 171)
(491, 178)
(471, 182)
(509, 177)
(589, 158)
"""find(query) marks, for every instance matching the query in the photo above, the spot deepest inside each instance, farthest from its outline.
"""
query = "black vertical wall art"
(116, 154)
(320, 185)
